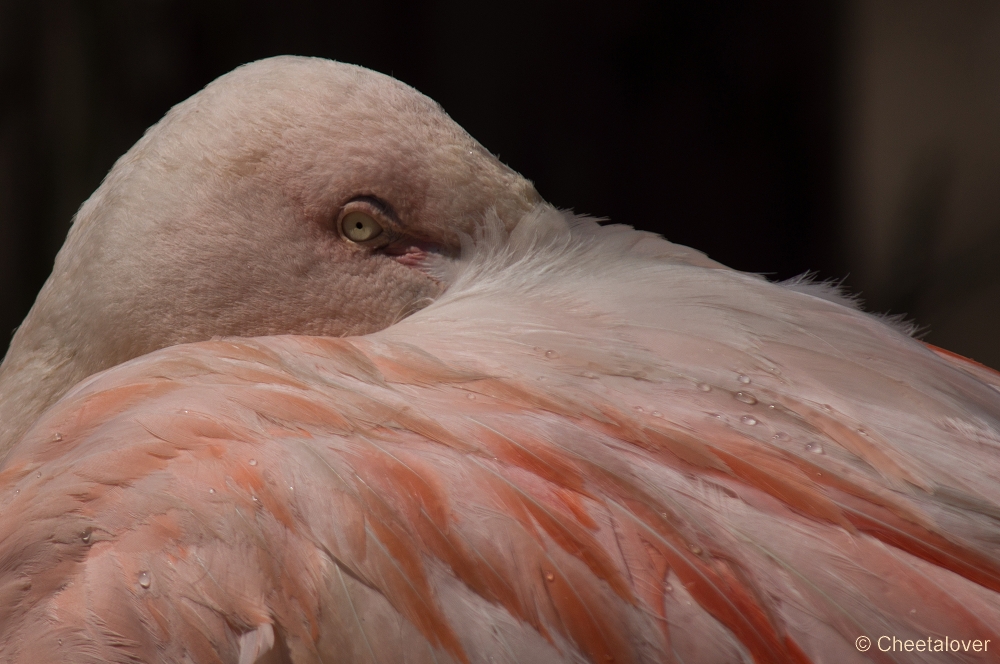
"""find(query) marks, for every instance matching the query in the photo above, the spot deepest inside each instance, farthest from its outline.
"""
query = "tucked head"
(291, 196)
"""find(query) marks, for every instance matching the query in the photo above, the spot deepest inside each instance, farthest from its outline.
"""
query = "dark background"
(721, 125)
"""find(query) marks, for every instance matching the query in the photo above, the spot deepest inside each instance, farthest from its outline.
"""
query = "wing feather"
(593, 448)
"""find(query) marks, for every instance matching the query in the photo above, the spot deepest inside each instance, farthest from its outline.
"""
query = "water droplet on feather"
(704, 387)
(253, 462)
(743, 379)
(551, 354)
(815, 448)
(144, 579)
(747, 420)
(745, 397)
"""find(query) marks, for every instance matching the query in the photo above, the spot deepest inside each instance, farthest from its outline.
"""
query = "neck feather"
(36, 372)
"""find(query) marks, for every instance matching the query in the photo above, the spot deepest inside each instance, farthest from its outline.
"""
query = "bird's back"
(596, 446)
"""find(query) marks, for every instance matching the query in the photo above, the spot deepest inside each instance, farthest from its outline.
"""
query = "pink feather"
(594, 446)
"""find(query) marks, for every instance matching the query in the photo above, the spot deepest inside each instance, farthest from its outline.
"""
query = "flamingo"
(316, 378)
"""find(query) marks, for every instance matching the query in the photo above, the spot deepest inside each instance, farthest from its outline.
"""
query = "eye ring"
(360, 227)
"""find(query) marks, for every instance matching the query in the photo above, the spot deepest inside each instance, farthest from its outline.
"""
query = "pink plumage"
(590, 445)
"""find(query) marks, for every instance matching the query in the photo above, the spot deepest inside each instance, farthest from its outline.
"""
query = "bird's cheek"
(381, 294)
(422, 256)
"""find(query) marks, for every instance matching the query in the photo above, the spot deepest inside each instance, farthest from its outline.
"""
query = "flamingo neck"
(32, 378)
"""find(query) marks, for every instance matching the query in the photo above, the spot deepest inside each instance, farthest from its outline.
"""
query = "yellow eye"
(359, 227)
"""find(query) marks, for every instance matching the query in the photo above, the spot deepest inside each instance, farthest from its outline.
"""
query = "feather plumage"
(595, 446)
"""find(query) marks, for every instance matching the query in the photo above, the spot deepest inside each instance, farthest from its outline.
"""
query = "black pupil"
(359, 225)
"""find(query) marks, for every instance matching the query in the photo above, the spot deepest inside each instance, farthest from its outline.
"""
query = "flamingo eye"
(359, 227)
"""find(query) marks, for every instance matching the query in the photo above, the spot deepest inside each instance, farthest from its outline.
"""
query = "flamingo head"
(290, 196)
